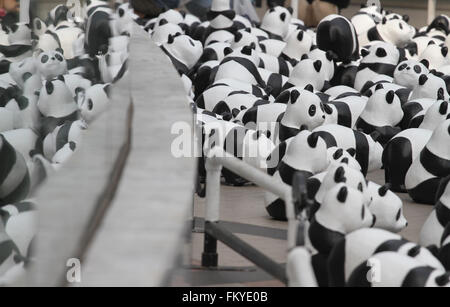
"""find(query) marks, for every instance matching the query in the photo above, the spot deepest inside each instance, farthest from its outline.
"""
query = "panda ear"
(423, 79)
(107, 89)
(247, 50)
(283, 97)
(342, 195)
(375, 135)
(443, 108)
(390, 97)
(384, 20)
(313, 138)
(379, 87)
(338, 153)
(425, 63)
(339, 175)
(61, 78)
(227, 51)
(431, 43)
(318, 65)
(237, 37)
(291, 10)
(440, 94)
(309, 88)
(235, 112)
(294, 96)
(382, 191)
(369, 93)
(364, 52)
(304, 57)
(162, 22)
(300, 35)
(352, 152)
(405, 18)
(171, 39)
(444, 51)
(283, 16)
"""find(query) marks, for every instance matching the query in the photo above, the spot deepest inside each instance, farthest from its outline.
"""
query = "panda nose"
(53, 58)
(409, 68)
(323, 116)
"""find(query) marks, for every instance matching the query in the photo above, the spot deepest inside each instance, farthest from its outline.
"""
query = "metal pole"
(294, 5)
(25, 11)
(431, 10)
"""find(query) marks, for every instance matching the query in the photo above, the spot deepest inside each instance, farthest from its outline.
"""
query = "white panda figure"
(307, 72)
(236, 102)
(400, 152)
(380, 58)
(70, 131)
(328, 64)
(417, 46)
(39, 27)
(75, 83)
(435, 56)
(399, 271)
(383, 112)
(94, 102)
(387, 207)
(24, 141)
(275, 64)
(345, 109)
(298, 43)
(51, 64)
(431, 118)
(408, 72)
(306, 153)
(98, 30)
(276, 22)
(17, 71)
(430, 86)
(20, 221)
(368, 150)
(433, 228)
(357, 247)
(14, 176)
(183, 51)
(338, 155)
(56, 104)
(395, 31)
(433, 164)
(162, 32)
(441, 23)
(274, 82)
(64, 154)
(366, 18)
(413, 107)
(245, 38)
(304, 110)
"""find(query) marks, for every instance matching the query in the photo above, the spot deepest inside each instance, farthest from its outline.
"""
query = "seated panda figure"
(221, 20)
(276, 22)
(98, 30)
(430, 86)
(183, 51)
(164, 30)
(307, 72)
(298, 43)
(399, 271)
(432, 117)
(19, 44)
(408, 72)
(395, 31)
(412, 108)
(433, 164)
(51, 64)
(435, 56)
(356, 248)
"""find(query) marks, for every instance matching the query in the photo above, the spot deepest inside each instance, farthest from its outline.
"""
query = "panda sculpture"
(276, 22)
(395, 31)
(183, 51)
(432, 117)
(98, 30)
(51, 64)
(19, 44)
(408, 72)
(433, 164)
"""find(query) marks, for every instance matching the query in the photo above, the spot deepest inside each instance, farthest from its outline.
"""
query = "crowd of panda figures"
(330, 105)
(55, 79)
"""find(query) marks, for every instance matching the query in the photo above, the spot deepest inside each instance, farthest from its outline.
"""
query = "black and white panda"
(183, 51)
(25, 141)
(399, 271)
(343, 211)
(276, 22)
(14, 176)
(93, 102)
(435, 56)
(236, 102)
(275, 64)
(431, 118)
(298, 43)
(353, 252)
(245, 38)
(400, 152)
(395, 31)
(272, 46)
(380, 59)
(328, 62)
(163, 31)
(336, 34)
(51, 64)
(412, 108)
(306, 153)
(98, 30)
(383, 112)
(418, 44)
(221, 22)
(368, 150)
(345, 109)
(56, 105)
(19, 44)
(430, 86)
(304, 110)
(274, 82)
(441, 23)
(307, 72)
(433, 229)
(408, 72)
(433, 164)
(365, 19)
(214, 52)
(251, 146)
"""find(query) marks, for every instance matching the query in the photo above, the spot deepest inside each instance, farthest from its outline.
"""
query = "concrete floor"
(245, 205)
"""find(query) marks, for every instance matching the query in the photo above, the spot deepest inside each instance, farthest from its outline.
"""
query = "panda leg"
(397, 159)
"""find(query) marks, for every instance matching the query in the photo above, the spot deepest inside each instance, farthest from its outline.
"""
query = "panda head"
(257, 148)
(19, 34)
(242, 22)
(276, 21)
(245, 38)
(387, 207)
(344, 209)
(298, 43)
(58, 14)
(161, 33)
(408, 72)
(382, 53)
(326, 58)
(55, 99)
(185, 49)
(39, 27)
(222, 36)
(22, 70)
(94, 101)
(373, 11)
(342, 173)
(171, 16)
(383, 108)
(122, 19)
(304, 109)
(220, 15)
(396, 31)
(307, 151)
(440, 23)
(76, 83)
(245, 52)
(308, 72)
(215, 52)
(51, 64)
(430, 86)
(435, 115)
(441, 135)
(337, 156)
(435, 56)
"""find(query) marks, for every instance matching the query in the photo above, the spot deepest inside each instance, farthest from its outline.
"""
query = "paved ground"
(244, 207)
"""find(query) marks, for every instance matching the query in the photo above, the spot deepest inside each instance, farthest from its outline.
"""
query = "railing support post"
(431, 10)
(213, 171)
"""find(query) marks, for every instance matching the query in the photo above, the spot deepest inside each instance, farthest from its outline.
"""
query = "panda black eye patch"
(381, 53)
(417, 69)
(44, 59)
(312, 110)
(402, 67)
(399, 213)
(90, 105)
(59, 57)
